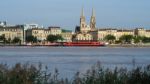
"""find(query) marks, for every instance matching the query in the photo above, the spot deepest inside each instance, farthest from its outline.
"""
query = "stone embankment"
(128, 45)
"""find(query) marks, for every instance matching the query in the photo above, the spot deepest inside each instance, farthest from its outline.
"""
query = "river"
(69, 60)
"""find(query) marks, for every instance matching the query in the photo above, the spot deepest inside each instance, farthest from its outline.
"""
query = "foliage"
(143, 39)
(28, 74)
(146, 39)
(16, 40)
(64, 30)
(137, 39)
(8, 40)
(126, 38)
(54, 38)
(110, 38)
(31, 39)
(37, 74)
(2, 38)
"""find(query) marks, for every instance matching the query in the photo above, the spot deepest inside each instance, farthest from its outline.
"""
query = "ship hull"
(83, 44)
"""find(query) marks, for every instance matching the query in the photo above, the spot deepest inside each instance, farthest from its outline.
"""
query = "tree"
(16, 40)
(31, 39)
(54, 38)
(110, 38)
(146, 39)
(137, 39)
(8, 40)
(64, 30)
(126, 38)
(2, 38)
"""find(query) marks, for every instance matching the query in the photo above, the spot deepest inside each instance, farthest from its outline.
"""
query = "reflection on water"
(72, 59)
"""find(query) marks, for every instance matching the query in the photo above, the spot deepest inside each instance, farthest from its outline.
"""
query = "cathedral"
(83, 32)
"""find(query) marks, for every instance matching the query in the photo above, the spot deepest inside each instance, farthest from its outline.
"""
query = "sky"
(66, 13)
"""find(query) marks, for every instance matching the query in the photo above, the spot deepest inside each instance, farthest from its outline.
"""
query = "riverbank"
(128, 45)
(109, 45)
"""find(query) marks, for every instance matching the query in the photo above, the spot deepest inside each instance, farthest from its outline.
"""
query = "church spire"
(93, 20)
(93, 12)
(82, 20)
(82, 12)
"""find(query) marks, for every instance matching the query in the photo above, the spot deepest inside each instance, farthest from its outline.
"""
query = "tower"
(82, 21)
(93, 20)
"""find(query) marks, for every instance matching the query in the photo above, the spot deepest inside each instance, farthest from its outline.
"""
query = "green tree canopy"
(126, 38)
(2, 38)
(110, 38)
(64, 30)
(31, 39)
(54, 38)
(137, 39)
(146, 39)
(16, 40)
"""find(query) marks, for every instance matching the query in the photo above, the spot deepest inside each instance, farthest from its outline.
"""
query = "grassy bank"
(31, 74)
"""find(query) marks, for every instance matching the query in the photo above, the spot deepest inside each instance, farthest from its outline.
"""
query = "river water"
(69, 60)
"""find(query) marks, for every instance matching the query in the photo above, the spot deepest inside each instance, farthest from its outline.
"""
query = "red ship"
(83, 44)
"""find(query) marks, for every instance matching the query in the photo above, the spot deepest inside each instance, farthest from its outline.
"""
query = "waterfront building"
(147, 33)
(67, 36)
(55, 30)
(83, 32)
(121, 32)
(86, 32)
(142, 32)
(42, 33)
(36, 32)
(102, 33)
(10, 32)
(30, 26)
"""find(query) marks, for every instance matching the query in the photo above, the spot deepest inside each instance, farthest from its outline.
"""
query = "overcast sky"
(66, 13)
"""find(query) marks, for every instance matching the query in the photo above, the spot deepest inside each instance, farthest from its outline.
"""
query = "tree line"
(15, 40)
(50, 38)
(33, 39)
(127, 39)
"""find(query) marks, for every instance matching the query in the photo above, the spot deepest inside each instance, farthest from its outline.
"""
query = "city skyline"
(116, 13)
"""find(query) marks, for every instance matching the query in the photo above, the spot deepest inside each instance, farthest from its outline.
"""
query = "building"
(102, 33)
(121, 32)
(142, 32)
(83, 32)
(67, 36)
(39, 33)
(10, 32)
(42, 33)
(147, 33)
(86, 32)
(55, 30)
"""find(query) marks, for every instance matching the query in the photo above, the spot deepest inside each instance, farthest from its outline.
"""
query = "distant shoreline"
(128, 45)
(111, 45)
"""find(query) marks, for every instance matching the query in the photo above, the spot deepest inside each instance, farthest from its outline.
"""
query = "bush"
(32, 74)
(54, 38)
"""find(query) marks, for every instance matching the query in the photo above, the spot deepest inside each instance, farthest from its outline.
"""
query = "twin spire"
(92, 20)
(82, 12)
(93, 12)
